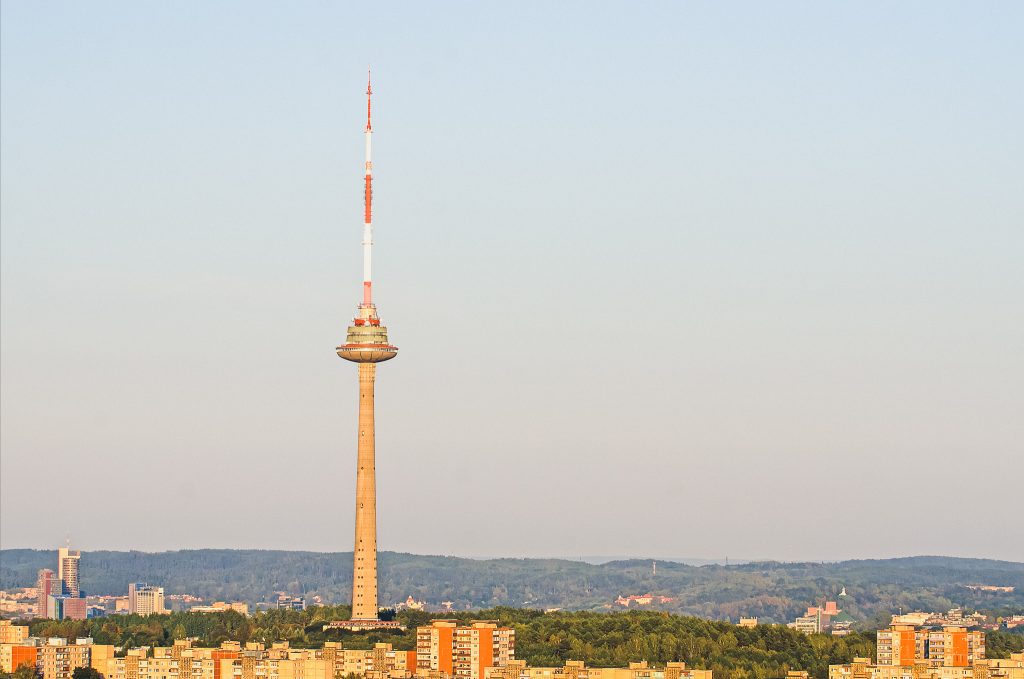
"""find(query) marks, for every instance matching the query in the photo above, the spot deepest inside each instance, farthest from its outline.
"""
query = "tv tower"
(366, 344)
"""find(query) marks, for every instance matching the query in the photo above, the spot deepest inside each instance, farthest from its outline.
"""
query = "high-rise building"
(366, 344)
(951, 646)
(955, 646)
(898, 645)
(435, 644)
(479, 646)
(47, 585)
(67, 570)
(145, 599)
(463, 651)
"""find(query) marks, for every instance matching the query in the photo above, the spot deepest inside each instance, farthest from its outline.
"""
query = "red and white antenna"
(368, 210)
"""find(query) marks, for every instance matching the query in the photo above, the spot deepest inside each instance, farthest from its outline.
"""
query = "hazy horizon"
(590, 559)
(706, 278)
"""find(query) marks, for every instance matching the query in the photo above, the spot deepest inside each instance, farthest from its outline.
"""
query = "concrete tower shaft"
(364, 581)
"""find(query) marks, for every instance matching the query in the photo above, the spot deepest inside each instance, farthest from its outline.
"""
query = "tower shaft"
(364, 572)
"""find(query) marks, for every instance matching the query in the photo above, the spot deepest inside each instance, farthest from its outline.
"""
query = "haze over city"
(696, 280)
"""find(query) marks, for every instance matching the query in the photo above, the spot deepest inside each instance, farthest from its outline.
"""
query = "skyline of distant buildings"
(59, 594)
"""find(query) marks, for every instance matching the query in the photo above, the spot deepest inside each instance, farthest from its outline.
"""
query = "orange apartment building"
(463, 651)
(861, 668)
(955, 646)
(13, 656)
(903, 645)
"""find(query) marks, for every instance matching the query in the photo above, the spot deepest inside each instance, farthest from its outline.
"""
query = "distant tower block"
(366, 344)
(67, 570)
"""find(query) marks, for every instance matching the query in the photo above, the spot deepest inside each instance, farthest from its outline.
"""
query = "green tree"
(86, 673)
(23, 672)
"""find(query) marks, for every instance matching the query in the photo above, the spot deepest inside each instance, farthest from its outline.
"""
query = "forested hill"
(775, 592)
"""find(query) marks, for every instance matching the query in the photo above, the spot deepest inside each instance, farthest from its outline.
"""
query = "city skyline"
(813, 213)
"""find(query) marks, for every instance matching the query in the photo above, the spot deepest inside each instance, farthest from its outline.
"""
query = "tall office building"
(47, 585)
(145, 599)
(67, 570)
(366, 344)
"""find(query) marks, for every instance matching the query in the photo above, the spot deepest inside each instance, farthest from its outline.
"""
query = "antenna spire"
(369, 91)
(368, 207)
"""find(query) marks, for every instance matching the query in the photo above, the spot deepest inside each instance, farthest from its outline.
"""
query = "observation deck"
(367, 339)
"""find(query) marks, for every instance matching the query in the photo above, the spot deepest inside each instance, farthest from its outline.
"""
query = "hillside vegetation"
(772, 591)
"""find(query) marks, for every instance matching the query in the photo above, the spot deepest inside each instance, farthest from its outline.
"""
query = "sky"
(702, 279)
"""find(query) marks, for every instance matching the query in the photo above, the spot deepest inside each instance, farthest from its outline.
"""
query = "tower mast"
(368, 204)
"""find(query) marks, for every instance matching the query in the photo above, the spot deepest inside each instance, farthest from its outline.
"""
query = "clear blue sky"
(682, 279)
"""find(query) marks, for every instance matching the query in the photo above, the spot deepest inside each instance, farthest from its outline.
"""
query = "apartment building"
(57, 658)
(463, 651)
(479, 646)
(254, 661)
(178, 662)
(899, 645)
(861, 668)
(903, 645)
(11, 633)
(575, 669)
(954, 646)
(13, 656)
(434, 646)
